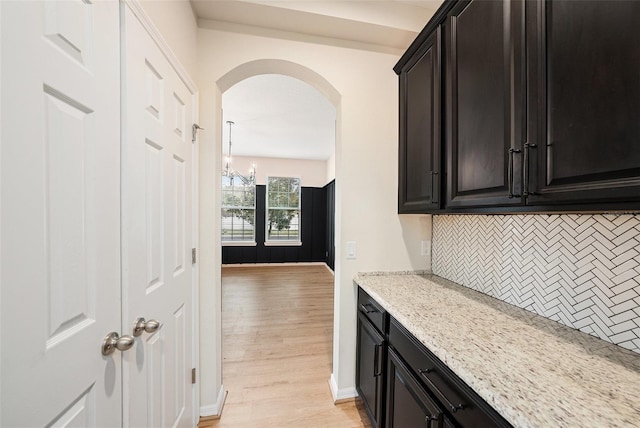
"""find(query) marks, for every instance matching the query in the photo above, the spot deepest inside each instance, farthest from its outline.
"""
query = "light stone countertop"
(533, 371)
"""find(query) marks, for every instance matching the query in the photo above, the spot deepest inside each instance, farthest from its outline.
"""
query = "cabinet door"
(419, 156)
(585, 101)
(369, 365)
(485, 103)
(408, 405)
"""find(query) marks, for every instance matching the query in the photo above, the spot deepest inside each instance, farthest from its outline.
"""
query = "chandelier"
(229, 172)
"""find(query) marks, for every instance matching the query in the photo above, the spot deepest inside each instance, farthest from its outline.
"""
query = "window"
(283, 209)
(238, 211)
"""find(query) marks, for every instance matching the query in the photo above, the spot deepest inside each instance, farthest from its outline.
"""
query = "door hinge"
(193, 375)
(193, 256)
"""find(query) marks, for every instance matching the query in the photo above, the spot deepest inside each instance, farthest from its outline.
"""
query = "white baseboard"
(215, 410)
(275, 264)
(340, 395)
(253, 265)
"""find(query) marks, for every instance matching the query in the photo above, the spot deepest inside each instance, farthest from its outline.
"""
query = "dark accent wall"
(313, 224)
(330, 190)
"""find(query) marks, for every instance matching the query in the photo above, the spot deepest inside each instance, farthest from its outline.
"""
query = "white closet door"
(60, 213)
(157, 230)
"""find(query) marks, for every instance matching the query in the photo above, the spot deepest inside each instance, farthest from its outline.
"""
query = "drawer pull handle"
(453, 407)
(366, 308)
(510, 173)
(429, 418)
(434, 196)
(456, 408)
(527, 146)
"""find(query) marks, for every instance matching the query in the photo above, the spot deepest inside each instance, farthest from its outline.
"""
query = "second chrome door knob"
(141, 326)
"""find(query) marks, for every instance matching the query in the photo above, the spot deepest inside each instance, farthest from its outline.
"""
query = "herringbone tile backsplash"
(580, 270)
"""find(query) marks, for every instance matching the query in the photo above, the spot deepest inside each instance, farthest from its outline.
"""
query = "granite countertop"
(533, 371)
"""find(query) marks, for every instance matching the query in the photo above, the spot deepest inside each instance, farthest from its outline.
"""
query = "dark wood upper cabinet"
(484, 103)
(584, 102)
(419, 154)
(535, 106)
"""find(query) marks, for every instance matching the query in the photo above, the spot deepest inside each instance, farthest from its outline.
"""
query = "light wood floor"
(277, 325)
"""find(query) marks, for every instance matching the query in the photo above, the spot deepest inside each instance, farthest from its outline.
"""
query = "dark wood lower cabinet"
(408, 403)
(371, 351)
(459, 404)
(403, 384)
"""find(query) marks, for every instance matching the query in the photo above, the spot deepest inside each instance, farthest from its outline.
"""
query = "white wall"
(177, 23)
(312, 172)
(365, 166)
(331, 168)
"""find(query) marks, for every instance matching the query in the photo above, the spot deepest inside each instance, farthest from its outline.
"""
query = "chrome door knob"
(113, 341)
(141, 326)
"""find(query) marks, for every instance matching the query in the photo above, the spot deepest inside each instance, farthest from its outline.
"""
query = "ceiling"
(372, 24)
(278, 116)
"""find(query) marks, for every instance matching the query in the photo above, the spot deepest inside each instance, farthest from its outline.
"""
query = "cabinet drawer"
(457, 399)
(408, 402)
(371, 310)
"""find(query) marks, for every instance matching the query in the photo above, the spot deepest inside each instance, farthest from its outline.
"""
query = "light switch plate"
(351, 250)
(425, 248)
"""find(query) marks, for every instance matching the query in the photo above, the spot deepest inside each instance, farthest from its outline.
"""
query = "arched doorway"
(210, 289)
